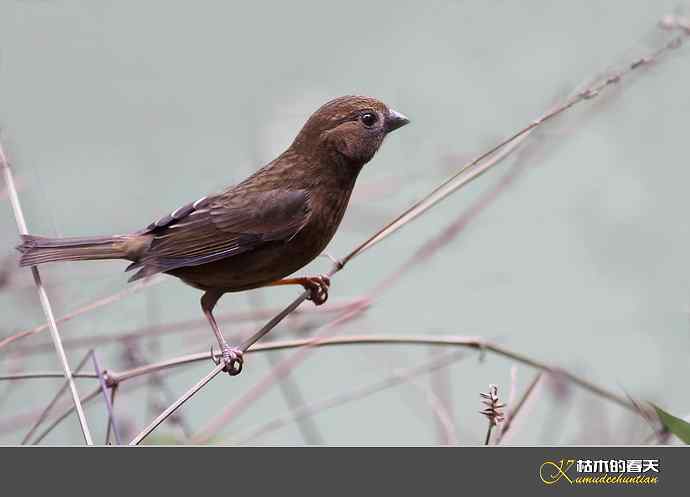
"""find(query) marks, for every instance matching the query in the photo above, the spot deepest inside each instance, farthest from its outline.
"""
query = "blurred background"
(114, 114)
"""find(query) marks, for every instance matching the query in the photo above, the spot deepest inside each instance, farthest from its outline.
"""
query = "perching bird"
(258, 232)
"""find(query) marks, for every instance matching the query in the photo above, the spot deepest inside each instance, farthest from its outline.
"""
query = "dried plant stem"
(117, 377)
(45, 302)
(69, 410)
(487, 439)
(44, 414)
(45, 374)
(107, 399)
(444, 417)
(510, 417)
(265, 329)
(440, 395)
(477, 343)
(109, 428)
(177, 404)
(82, 310)
(84, 400)
(149, 331)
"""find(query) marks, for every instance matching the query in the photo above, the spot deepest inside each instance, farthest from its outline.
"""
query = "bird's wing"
(225, 225)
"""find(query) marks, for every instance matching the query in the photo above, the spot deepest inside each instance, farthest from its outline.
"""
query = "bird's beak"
(395, 120)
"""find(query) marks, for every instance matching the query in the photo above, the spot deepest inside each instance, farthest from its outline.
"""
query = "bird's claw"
(318, 288)
(233, 358)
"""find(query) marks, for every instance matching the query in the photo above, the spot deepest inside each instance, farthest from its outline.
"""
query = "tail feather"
(38, 249)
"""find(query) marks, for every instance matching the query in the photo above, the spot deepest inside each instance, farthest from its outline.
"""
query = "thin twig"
(273, 322)
(69, 410)
(513, 386)
(440, 388)
(20, 420)
(182, 326)
(45, 302)
(109, 428)
(477, 343)
(82, 310)
(177, 404)
(106, 398)
(44, 374)
(44, 414)
(444, 416)
(157, 384)
(487, 439)
(514, 411)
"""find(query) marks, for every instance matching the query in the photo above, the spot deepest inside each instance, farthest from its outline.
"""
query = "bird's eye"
(368, 119)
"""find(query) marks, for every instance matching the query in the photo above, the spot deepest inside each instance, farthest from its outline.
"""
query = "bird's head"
(350, 128)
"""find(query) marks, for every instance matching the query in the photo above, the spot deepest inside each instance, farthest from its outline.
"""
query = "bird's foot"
(232, 357)
(318, 288)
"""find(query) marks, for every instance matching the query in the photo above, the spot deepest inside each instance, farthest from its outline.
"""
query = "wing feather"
(213, 228)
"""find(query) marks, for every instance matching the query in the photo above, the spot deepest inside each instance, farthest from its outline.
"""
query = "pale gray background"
(116, 113)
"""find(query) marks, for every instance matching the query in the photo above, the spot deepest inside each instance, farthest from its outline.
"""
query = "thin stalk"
(44, 374)
(109, 428)
(487, 439)
(54, 400)
(83, 400)
(177, 404)
(107, 399)
(82, 310)
(149, 331)
(45, 302)
(516, 410)
(477, 343)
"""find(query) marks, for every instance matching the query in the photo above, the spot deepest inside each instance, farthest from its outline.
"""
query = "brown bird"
(256, 233)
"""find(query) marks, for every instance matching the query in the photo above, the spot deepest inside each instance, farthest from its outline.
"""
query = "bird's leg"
(316, 285)
(231, 357)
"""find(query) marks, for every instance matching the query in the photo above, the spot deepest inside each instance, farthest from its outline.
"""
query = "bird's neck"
(324, 169)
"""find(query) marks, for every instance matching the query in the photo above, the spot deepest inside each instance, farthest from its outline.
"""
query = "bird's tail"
(38, 249)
